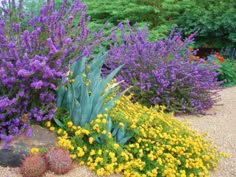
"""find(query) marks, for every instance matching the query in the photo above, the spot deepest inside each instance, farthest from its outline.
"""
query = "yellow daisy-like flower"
(97, 120)
(86, 132)
(99, 116)
(99, 152)
(92, 152)
(48, 124)
(52, 129)
(73, 156)
(104, 132)
(81, 163)
(34, 150)
(121, 124)
(104, 121)
(116, 146)
(133, 126)
(59, 131)
(91, 140)
(78, 132)
(80, 154)
(69, 124)
(100, 171)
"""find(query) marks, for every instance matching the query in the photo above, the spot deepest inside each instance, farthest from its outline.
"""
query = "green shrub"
(215, 21)
(156, 14)
(227, 69)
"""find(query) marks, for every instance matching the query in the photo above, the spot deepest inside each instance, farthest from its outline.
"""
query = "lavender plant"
(33, 59)
(161, 73)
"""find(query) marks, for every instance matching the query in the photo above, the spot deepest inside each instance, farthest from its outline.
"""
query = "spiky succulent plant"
(33, 166)
(59, 160)
(84, 93)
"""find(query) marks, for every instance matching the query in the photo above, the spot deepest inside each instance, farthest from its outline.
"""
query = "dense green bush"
(215, 21)
(157, 14)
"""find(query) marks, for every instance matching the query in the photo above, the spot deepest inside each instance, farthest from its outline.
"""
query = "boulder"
(21, 146)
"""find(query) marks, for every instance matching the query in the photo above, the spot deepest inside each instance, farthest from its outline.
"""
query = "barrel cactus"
(59, 160)
(33, 166)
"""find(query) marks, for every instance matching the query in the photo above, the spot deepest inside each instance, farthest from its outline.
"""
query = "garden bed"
(117, 119)
(219, 123)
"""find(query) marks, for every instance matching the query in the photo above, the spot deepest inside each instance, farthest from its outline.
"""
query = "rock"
(21, 146)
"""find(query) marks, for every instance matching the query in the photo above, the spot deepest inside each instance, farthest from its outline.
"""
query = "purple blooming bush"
(33, 60)
(161, 73)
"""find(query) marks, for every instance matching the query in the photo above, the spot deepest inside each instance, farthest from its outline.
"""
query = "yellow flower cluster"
(161, 145)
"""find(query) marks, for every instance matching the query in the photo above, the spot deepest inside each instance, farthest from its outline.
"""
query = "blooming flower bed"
(51, 74)
(160, 145)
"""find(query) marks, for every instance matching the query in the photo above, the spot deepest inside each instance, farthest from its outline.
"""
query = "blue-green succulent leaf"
(60, 96)
(109, 124)
(125, 139)
(86, 106)
(76, 112)
(59, 123)
(120, 134)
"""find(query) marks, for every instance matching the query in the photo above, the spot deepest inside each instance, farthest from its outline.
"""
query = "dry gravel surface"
(219, 123)
(77, 171)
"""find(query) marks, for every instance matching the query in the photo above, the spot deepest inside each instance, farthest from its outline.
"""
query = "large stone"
(21, 146)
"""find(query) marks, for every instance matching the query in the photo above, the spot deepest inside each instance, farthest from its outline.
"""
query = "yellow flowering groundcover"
(160, 144)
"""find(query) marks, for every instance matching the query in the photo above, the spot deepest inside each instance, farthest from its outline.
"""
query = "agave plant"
(120, 134)
(85, 93)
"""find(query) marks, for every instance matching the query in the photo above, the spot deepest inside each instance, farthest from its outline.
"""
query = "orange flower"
(221, 59)
(191, 57)
(190, 49)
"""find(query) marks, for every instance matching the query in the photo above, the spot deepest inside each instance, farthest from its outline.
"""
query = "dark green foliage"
(157, 14)
(215, 21)
(228, 72)
(227, 69)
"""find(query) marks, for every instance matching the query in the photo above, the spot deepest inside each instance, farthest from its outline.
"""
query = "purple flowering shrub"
(161, 73)
(33, 60)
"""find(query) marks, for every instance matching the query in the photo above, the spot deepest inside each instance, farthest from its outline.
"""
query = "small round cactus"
(33, 166)
(59, 160)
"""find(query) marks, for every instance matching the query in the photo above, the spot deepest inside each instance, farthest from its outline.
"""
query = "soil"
(219, 123)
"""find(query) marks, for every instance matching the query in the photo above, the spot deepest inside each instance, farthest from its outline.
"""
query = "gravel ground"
(219, 123)
(77, 171)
